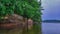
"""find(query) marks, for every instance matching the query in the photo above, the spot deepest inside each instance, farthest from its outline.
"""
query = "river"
(50, 28)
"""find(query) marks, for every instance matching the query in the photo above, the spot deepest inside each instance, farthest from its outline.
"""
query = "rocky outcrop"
(15, 25)
(16, 21)
(11, 22)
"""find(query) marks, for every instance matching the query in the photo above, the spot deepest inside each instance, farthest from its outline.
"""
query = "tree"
(29, 9)
(25, 8)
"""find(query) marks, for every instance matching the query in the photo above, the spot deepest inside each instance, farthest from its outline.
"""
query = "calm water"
(50, 28)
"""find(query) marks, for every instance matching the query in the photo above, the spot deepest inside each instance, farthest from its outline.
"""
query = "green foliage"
(25, 8)
(6, 8)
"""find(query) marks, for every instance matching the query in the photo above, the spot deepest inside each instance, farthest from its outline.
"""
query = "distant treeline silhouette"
(51, 21)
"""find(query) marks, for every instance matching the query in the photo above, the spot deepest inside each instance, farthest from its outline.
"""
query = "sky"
(51, 9)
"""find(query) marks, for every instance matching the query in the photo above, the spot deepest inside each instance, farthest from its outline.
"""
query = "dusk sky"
(51, 9)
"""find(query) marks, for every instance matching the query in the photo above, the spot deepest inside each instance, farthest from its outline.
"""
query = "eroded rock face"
(15, 25)
(12, 22)
(16, 21)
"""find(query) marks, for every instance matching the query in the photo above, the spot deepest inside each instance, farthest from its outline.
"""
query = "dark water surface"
(50, 28)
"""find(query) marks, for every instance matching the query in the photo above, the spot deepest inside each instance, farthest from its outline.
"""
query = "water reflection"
(50, 28)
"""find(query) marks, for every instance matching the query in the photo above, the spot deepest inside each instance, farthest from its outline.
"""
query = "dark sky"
(52, 9)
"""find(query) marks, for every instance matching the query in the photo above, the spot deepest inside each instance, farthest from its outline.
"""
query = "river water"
(50, 28)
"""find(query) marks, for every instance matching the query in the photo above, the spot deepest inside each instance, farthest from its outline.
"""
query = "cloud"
(52, 9)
